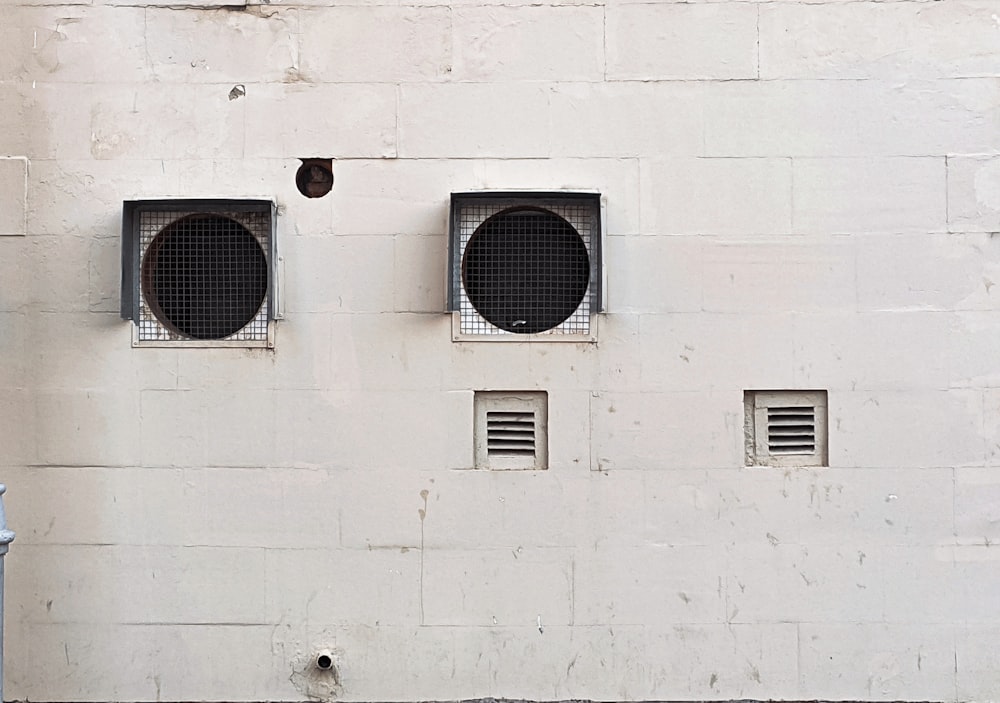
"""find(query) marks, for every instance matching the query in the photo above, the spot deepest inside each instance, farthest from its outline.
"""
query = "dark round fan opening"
(525, 270)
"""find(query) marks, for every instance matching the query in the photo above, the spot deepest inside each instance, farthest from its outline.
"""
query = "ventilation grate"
(205, 276)
(785, 428)
(525, 263)
(510, 433)
(510, 430)
(199, 272)
(791, 430)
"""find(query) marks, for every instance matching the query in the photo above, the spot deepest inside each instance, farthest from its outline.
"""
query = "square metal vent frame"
(141, 222)
(510, 430)
(786, 428)
(584, 213)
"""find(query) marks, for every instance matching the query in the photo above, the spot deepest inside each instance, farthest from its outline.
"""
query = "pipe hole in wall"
(314, 179)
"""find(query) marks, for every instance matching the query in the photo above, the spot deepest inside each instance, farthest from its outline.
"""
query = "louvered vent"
(791, 430)
(510, 430)
(510, 433)
(786, 428)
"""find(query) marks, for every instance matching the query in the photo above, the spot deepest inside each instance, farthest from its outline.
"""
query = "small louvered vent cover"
(786, 428)
(510, 430)
(525, 263)
(791, 429)
(510, 433)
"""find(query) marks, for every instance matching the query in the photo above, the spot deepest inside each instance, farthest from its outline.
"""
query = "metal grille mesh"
(526, 270)
(204, 276)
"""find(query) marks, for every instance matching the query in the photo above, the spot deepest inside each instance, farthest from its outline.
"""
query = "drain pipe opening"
(324, 662)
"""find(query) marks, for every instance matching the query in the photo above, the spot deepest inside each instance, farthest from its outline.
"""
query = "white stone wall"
(798, 195)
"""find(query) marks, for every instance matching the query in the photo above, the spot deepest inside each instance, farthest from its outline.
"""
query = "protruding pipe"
(6, 537)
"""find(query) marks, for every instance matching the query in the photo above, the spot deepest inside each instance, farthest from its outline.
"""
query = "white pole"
(6, 537)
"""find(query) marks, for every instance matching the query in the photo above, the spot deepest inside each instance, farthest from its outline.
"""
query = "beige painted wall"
(798, 195)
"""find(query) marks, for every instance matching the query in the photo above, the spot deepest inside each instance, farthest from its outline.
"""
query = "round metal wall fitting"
(314, 179)
(525, 270)
(204, 276)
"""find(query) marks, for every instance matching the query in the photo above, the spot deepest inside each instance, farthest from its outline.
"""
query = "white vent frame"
(260, 219)
(786, 428)
(590, 225)
(500, 425)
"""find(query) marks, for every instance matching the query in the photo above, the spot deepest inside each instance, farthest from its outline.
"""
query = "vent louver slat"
(510, 433)
(791, 430)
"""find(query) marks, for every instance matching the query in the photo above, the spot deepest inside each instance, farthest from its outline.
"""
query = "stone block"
(419, 273)
(474, 120)
(652, 585)
(725, 353)
(865, 509)
(96, 427)
(137, 585)
(17, 371)
(686, 507)
(618, 366)
(401, 495)
(850, 117)
(74, 44)
(407, 429)
(906, 428)
(711, 661)
(336, 587)
(218, 45)
(653, 431)
(498, 587)
(188, 427)
(876, 662)
(681, 41)
(927, 272)
(970, 349)
(124, 506)
(902, 350)
(399, 196)
(976, 673)
(628, 119)
(303, 120)
(878, 40)
(506, 510)
(776, 583)
(258, 507)
(973, 205)
(977, 515)
(870, 195)
(389, 352)
(652, 274)
(342, 274)
(617, 180)
(140, 662)
(716, 196)
(18, 417)
(13, 195)
(562, 43)
(375, 44)
(768, 274)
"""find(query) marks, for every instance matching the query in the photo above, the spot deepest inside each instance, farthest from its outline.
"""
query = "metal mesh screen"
(525, 269)
(204, 276)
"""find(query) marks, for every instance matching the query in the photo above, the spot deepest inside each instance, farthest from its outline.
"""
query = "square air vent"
(525, 265)
(199, 272)
(511, 429)
(785, 428)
